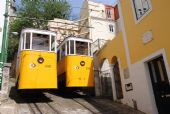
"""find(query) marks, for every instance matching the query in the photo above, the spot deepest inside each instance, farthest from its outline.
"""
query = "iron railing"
(98, 44)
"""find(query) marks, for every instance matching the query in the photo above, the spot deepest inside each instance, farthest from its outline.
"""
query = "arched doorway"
(105, 79)
(117, 78)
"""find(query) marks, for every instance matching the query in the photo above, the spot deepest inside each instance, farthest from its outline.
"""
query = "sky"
(76, 5)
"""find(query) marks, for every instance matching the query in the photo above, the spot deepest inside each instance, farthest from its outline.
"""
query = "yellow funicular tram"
(36, 60)
(75, 63)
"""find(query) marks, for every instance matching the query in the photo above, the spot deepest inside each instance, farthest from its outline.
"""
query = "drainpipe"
(3, 54)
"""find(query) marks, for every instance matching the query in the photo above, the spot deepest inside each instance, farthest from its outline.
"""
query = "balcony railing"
(98, 44)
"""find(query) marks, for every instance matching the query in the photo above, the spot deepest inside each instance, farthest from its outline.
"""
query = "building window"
(108, 13)
(141, 7)
(111, 28)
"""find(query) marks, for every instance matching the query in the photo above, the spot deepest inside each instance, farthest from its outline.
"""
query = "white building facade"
(102, 19)
(63, 28)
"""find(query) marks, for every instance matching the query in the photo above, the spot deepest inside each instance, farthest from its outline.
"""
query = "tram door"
(160, 85)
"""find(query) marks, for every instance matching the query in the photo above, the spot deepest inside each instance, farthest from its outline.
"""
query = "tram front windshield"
(81, 48)
(40, 42)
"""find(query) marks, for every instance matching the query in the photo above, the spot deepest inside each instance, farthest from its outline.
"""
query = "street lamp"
(3, 54)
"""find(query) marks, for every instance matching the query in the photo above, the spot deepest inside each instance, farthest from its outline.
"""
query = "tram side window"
(27, 45)
(67, 47)
(40, 42)
(81, 48)
(71, 46)
(58, 55)
(90, 52)
(52, 43)
(63, 51)
(23, 41)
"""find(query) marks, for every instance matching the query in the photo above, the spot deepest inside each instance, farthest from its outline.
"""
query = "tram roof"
(75, 38)
(38, 31)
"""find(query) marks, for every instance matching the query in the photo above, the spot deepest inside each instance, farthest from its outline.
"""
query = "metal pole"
(3, 54)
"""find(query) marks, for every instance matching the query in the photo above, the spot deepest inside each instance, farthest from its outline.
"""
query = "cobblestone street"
(52, 102)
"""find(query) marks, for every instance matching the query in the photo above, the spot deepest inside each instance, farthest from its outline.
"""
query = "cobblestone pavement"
(51, 102)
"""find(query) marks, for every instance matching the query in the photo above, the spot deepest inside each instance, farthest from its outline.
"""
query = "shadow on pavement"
(70, 93)
(28, 96)
(93, 104)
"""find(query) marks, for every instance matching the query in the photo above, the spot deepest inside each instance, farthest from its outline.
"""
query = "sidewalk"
(8, 107)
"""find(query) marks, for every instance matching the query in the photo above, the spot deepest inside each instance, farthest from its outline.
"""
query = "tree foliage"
(35, 14)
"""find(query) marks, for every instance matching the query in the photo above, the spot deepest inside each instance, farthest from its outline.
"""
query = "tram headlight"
(32, 65)
(76, 67)
(82, 63)
(40, 60)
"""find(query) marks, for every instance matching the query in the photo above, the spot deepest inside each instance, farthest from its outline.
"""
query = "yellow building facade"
(142, 51)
